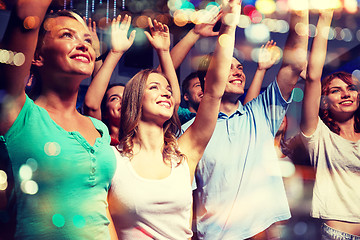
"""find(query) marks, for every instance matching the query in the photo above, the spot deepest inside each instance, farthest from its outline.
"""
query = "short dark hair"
(186, 82)
(204, 66)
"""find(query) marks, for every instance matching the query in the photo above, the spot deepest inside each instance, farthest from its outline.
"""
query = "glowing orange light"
(142, 22)
(31, 22)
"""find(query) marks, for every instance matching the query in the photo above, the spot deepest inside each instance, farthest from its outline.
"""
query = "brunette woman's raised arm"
(120, 43)
(312, 92)
(159, 37)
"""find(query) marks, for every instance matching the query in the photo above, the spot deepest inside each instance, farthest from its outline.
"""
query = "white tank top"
(148, 208)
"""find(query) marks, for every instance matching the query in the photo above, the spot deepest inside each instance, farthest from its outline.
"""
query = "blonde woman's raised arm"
(20, 40)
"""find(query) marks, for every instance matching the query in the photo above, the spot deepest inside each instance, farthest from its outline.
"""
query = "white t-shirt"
(147, 208)
(336, 193)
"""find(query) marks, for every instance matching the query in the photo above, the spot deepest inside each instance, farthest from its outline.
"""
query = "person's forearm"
(182, 48)
(255, 86)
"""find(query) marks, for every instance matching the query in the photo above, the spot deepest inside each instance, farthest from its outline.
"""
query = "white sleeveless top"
(150, 208)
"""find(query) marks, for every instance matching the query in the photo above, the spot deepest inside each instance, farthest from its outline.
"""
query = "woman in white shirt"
(332, 141)
(150, 196)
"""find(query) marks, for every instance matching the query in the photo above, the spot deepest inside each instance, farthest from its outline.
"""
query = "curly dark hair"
(131, 112)
(324, 113)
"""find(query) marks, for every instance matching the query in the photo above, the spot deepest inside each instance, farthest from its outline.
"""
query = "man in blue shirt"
(239, 191)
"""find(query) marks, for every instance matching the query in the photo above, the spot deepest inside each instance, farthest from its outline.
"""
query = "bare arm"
(21, 38)
(160, 40)
(193, 142)
(268, 55)
(312, 92)
(95, 44)
(120, 44)
(203, 29)
(295, 52)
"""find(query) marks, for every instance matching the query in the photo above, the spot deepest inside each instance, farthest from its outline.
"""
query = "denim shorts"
(329, 233)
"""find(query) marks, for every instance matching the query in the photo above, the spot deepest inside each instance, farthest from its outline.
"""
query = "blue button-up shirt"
(239, 190)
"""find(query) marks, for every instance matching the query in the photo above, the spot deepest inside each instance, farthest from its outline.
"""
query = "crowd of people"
(133, 164)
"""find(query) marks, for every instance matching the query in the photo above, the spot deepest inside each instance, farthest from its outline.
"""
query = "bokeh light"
(210, 6)
(49, 23)
(140, 38)
(141, 21)
(282, 7)
(351, 6)
(4, 56)
(325, 4)
(32, 163)
(3, 180)
(225, 40)
(282, 26)
(29, 187)
(244, 21)
(332, 33)
(58, 220)
(31, 22)
(52, 148)
(79, 221)
(19, 59)
(187, 5)
(266, 6)
(298, 5)
(163, 19)
(312, 30)
(256, 16)
(180, 18)
(257, 33)
(346, 35)
(25, 172)
(298, 95)
(356, 75)
(301, 29)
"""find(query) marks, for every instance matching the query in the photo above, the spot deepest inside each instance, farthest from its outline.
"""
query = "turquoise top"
(60, 180)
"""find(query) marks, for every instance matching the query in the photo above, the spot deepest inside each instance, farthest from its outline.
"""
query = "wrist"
(194, 35)
(261, 69)
(116, 52)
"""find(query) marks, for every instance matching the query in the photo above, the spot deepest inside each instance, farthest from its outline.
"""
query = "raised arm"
(21, 38)
(95, 44)
(312, 92)
(120, 43)
(204, 28)
(159, 37)
(295, 52)
(268, 55)
(193, 142)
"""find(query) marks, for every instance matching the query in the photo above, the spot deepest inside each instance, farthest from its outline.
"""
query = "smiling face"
(157, 101)
(66, 49)
(342, 97)
(193, 94)
(236, 79)
(113, 99)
